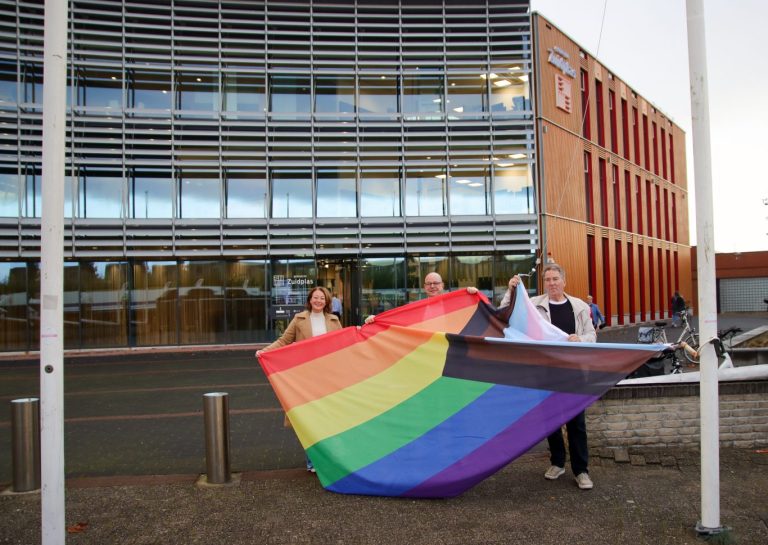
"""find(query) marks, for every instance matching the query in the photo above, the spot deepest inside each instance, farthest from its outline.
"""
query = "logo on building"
(559, 58)
(562, 93)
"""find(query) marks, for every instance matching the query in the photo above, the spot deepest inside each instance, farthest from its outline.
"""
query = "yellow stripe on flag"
(365, 400)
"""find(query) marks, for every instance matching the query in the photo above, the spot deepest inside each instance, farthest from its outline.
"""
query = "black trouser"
(577, 445)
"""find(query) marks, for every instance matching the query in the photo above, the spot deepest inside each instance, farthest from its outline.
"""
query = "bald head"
(433, 284)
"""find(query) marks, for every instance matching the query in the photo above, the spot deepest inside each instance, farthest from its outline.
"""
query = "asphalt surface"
(134, 448)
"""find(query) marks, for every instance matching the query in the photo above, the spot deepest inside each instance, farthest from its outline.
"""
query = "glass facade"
(380, 139)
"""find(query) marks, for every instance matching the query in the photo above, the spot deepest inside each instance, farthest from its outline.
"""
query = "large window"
(425, 192)
(423, 97)
(246, 301)
(150, 91)
(468, 192)
(71, 305)
(246, 194)
(197, 94)
(14, 312)
(513, 190)
(154, 305)
(508, 266)
(100, 88)
(9, 193)
(291, 194)
(244, 95)
(336, 194)
(103, 304)
(31, 206)
(33, 83)
(8, 92)
(290, 97)
(151, 194)
(334, 97)
(467, 97)
(378, 96)
(201, 302)
(199, 194)
(289, 285)
(510, 91)
(100, 193)
(473, 270)
(382, 285)
(379, 193)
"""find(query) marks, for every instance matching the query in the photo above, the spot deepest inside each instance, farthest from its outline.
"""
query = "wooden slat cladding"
(614, 214)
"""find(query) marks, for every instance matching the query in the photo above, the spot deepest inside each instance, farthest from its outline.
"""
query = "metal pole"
(25, 424)
(53, 526)
(707, 306)
(216, 415)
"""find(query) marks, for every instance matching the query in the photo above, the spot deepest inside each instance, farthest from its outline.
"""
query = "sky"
(646, 45)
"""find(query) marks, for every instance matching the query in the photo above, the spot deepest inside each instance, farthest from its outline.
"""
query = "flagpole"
(51, 272)
(707, 307)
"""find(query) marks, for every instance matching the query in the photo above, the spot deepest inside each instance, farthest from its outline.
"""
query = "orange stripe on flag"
(325, 375)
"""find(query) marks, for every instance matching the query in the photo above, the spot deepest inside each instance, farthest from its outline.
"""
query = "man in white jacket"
(570, 314)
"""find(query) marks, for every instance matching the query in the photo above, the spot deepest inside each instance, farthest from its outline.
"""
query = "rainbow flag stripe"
(431, 398)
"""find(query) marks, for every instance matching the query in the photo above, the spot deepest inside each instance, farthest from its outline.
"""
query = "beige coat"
(300, 328)
(584, 327)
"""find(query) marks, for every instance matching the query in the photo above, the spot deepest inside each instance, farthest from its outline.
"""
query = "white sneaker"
(584, 482)
(553, 472)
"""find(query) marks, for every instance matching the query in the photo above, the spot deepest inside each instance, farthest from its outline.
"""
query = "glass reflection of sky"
(246, 197)
(9, 195)
(468, 196)
(152, 197)
(100, 197)
(380, 197)
(200, 198)
(336, 197)
(513, 193)
(424, 196)
(292, 197)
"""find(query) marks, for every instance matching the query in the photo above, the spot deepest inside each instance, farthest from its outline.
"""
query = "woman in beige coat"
(316, 320)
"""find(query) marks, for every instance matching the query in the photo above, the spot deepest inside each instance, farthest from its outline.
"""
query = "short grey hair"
(553, 267)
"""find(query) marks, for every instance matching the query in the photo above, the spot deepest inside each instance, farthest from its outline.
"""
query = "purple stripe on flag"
(514, 441)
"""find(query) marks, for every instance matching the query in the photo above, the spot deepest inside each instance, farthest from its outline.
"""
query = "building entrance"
(341, 278)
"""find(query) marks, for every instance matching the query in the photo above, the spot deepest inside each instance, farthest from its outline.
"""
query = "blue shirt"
(597, 316)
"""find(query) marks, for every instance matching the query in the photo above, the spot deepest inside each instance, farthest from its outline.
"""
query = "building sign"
(289, 295)
(562, 93)
(559, 58)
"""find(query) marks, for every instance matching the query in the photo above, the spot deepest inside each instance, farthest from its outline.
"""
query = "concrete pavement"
(638, 503)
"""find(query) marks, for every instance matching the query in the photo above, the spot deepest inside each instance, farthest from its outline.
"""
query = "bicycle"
(685, 348)
(689, 336)
(658, 335)
(726, 337)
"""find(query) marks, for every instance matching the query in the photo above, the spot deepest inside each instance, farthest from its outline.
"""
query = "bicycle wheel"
(692, 340)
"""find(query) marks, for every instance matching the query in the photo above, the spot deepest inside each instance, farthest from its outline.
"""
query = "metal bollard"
(216, 415)
(25, 422)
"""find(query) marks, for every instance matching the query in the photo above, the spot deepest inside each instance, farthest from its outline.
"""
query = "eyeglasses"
(433, 283)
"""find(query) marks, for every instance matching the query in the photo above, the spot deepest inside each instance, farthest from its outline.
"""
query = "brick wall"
(668, 416)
